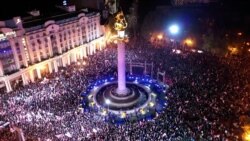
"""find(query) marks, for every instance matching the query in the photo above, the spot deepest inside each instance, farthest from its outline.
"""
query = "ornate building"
(32, 44)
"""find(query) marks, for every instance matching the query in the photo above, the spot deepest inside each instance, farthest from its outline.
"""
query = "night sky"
(7, 10)
(15, 7)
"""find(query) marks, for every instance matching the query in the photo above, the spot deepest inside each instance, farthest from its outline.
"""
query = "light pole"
(174, 30)
(107, 101)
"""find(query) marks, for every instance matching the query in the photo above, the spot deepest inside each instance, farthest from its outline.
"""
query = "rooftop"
(49, 14)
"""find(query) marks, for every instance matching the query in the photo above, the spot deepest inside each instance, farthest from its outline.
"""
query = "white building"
(29, 45)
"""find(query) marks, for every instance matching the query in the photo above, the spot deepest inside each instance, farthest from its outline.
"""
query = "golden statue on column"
(120, 25)
(120, 22)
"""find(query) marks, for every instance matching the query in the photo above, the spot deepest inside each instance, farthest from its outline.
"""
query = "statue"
(120, 22)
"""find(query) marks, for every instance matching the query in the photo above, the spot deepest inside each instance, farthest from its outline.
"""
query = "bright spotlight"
(174, 29)
(107, 101)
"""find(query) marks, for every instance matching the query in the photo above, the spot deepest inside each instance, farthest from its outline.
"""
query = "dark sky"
(15, 7)
(7, 10)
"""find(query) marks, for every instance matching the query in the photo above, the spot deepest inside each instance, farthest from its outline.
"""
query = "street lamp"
(174, 29)
(189, 42)
(107, 101)
(159, 36)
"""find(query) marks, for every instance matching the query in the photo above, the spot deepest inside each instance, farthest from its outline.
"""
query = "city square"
(71, 78)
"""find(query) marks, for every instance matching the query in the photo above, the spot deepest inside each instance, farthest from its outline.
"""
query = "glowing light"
(143, 112)
(94, 130)
(104, 112)
(248, 44)
(160, 36)
(246, 134)
(248, 50)
(90, 96)
(18, 21)
(115, 41)
(151, 104)
(123, 115)
(189, 42)
(200, 51)
(239, 33)
(233, 50)
(178, 51)
(148, 87)
(136, 81)
(41, 67)
(107, 101)
(153, 94)
(92, 104)
(247, 137)
(78, 63)
(121, 34)
(84, 63)
(6, 35)
(174, 29)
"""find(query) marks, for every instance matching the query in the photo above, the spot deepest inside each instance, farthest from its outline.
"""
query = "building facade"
(31, 45)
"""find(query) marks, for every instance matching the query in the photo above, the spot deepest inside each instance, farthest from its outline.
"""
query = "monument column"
(55, 65)
(24, 78)
(8, 86)
(38, 73)
(121, 68)
(120, 26)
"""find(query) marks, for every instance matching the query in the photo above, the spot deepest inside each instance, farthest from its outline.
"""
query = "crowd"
(208, 97)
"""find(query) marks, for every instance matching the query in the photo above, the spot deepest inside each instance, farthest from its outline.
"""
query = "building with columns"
(32, 44)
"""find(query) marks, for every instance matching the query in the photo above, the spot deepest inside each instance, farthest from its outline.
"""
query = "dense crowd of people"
(207, 100)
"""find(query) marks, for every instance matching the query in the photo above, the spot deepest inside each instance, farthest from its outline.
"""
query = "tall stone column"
(24, 78)
(85, 51)
(55, 66)
(121, 69)
(8, 86)
(68, 59)
(81, 52)
(32, 78)
(39, 73)
(75, 56)
(63, 61)
(50, 67)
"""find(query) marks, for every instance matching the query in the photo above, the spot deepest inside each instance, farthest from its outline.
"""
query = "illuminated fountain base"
(144, 95)
(137, 97)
